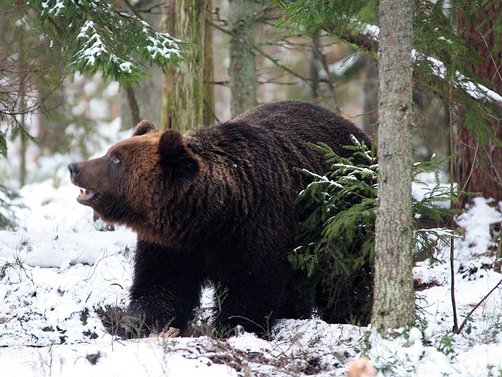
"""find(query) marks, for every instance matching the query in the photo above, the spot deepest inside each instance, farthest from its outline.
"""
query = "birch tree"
(394, 300)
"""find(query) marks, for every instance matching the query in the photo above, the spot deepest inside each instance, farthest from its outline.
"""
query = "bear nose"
(73, 168)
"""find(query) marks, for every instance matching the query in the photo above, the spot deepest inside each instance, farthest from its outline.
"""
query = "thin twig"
(266, 55)
(452, 240)
(477, 306)
(495, 65)
(133, 9)
(322, 58)
(210, 109)
(460, 193)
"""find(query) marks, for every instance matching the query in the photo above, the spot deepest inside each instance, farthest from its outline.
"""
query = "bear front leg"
(250, 300)
(165, 289)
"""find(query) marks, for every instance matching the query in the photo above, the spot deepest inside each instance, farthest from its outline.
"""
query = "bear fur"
(216, 204)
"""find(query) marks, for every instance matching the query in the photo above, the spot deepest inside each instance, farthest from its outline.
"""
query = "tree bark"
(315, 64)
(394, 299)
(23, 149)
(167, 26)
(133, 105)
(370, 96)
(208, 114)
(242, 70)
(479, 165)
(147, 93)
(183, 97)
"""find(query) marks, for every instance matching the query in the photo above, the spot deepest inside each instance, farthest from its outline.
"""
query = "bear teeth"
(86, 193)
(85, 196)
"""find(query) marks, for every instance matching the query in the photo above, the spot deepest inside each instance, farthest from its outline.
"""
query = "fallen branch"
(477, 306)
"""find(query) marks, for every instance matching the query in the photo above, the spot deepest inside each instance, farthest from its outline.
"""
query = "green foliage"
(437, 40)
(7, 203)
(95, 36)
(336, 234)
(3, 144)
(44, 40)
(446, 344)
(335, 16)
(337, 231)
(18, 48)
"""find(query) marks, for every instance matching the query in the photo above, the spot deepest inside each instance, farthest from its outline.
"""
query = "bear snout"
(73, 168)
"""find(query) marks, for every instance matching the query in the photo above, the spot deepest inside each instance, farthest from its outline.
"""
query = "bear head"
(130, 183)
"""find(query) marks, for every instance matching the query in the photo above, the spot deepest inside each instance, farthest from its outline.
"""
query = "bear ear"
(177, 161)
(143, 127)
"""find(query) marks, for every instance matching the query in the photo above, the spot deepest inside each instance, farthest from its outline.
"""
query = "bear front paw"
(122, 323)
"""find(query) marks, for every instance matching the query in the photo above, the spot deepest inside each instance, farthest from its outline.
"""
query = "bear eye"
(115, 159)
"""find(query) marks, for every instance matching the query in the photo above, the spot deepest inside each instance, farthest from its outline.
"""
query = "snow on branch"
(476, 91)
(95, 36)
(439, 69)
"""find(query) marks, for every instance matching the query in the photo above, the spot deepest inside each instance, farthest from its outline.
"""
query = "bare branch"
(477, 306)
(268, 56)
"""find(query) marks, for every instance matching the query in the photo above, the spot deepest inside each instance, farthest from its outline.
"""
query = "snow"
(60, 267)
(93, 46)
(476, 91)
(342, 66)
(477, 224)
(163, 45)
(55, 8)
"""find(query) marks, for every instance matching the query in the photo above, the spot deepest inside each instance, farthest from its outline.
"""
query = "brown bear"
(216, 204)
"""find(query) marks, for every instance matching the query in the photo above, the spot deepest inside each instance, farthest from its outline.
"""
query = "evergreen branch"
(94, 36)
(474, 90)
(437, 53)
(336, 238)
(369, 37)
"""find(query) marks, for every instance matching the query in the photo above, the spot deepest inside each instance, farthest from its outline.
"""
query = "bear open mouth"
(85, 196)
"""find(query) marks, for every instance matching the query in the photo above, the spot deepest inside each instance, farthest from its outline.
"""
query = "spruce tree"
(93, 35)
(87, 36)
(456, 57)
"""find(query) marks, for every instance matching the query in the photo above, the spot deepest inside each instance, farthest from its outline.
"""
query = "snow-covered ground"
(60, 270)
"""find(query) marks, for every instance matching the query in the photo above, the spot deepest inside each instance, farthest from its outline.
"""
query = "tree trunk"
(370, 96)
(315, 64)
(394, 299)
(242, 70)
(167, 26)
(147, 94)
(479, 165)
(133, 104)
(22, 108)
(209, 107)
(183, 97)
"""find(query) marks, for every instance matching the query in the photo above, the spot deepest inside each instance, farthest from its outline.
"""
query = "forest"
(403, 238)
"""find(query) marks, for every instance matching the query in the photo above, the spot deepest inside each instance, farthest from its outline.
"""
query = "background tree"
(242, 69)
(208, 114)
(142, 99)
(479, 160)
(89, 37)
(185, 101)
(393, 294)
(446, 66)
